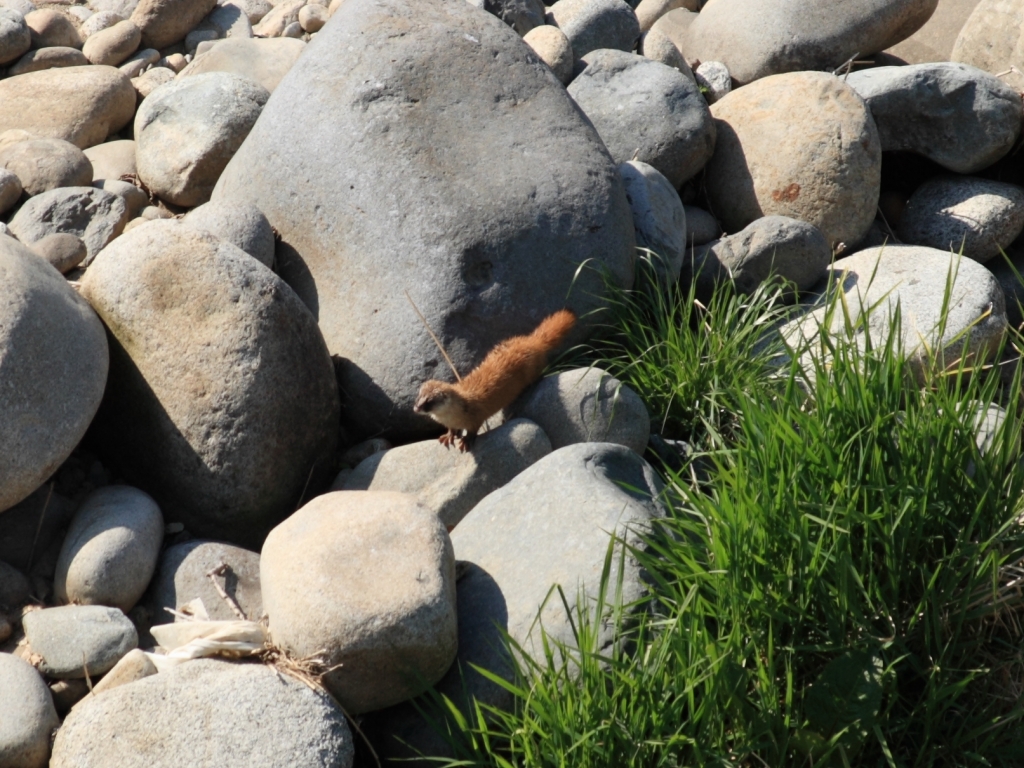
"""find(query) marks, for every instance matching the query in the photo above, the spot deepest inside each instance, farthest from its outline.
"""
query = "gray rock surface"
(134, 198)
(521, 15)
(240, 224)
(164, 22)
(980, 216)
(254, 9)
(646, 111)
(15, 38)
(181, 717)
(63, 251)
(111, 549)
(772, 245)
(113, 45)
(450, 483)
(135, 64)
(181, 578)
(187, 131)
(658, 215)
(112, 159)
(92, 214)
(762, 166)
(45, 164)
(962, 118)
(14, 586)
(490, 246)
(264, 61)
(228, 426)
(151, 79)
(594, 24)
(554, 49)
(82, 105)
(586, 405)
(10, 189)
(71, 638)
(383, 609)
(47, 58)
(992, 39)
(227, 20)
(47, 334)
(29, 716)
(758, 38)
(701, 226)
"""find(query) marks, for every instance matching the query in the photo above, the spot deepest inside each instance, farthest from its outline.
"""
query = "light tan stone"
(992, 39)
(113, 45)
(554, 49)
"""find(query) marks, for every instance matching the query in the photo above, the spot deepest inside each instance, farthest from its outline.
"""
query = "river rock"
(111, 549)
(521, 15)
(29, 716)
(980, 216)
(47, 58)
(227, 20)
(958, 116)
(254, 9)
(551, 44)
(758, 38)
(666, 40)
(45, 164)
(134, 665)
(284, 13)
(71, 638)
(82, 105)
(50, 27)
(450, 483)
(649, 11)
(187, 131)
(179, 718)
(63, 251)
(164, 22)
(238, 223)
(263, 61)
(646, 111)
(100, 21)
(992, 39)
(137, 63)
(92, 214)
(383, 609)
(658, 215)
(181, 577)
(151, 79)
(10, 189)
(24, 7)
(134, 198)
(312, 17)
(594, 24)
(47, 334)
(701, 226)
(528, 194)
(714, 78)
(15, 37)
(113, 45)
(229, 427)
(762, 167)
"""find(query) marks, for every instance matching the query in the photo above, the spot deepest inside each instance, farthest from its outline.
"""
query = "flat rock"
(383, 608)
(992, 39)
(594, 24)
(165, 22)
(82, 105)
(766, 165)
(111, 549)
(228, 426)
(15, 37)
(63, 251)
(980, 216)
(491, 243)
(47, 58)
(47, 334)
(187, 131)
(264, 61)
(450, 483)
(646, 111)
(71, 638)
(92, 214)
(658, 215)
(758, 38)
(956, 115)
(29, 716)
(238, 223)
(179, 718)
(45, 164)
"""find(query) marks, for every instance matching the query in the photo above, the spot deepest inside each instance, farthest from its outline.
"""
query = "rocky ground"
(218, 224)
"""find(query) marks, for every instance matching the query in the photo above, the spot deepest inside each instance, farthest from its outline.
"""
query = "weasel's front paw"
(448, 438)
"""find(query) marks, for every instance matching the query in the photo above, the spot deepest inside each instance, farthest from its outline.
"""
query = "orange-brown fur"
(508, 369)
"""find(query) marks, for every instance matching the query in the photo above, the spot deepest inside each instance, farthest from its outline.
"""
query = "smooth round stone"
(15, 37)
(29, 716)
(312, 17)
(768, 162)
(47, 334)
(47, 58)
(113, 45)
(242, 224)
(111, 549)
(649, 11)
(646, 111)
(112, 159)
(62, 251)
(199, 36)
(51, 28)
(658, 215)
(701, 226)
(665, 41)
(293, 30)
(992, 39)
(152, 79)
(10, 189)
(594, 24)
(279, 19)
(138, 62)
(980, 216)
(92, 214)
(71, 638)
(255, 9)
(714, 78)
(134, 198)
(553, 48)
(165, 22)
(100, 21)
(45, 164)
(175, 62)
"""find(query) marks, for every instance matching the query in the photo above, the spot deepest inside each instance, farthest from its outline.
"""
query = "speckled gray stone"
(594, 24)
(29, 716)
(71, 638)
(658, 215)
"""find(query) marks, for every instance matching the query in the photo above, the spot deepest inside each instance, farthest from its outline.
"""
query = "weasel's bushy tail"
(553, 329)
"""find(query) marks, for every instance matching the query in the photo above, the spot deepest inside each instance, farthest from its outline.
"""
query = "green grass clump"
(842, 591)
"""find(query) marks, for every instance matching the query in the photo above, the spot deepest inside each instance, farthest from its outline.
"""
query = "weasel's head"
(437, 400)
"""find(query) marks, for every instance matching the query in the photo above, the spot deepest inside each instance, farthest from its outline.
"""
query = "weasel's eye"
(424, 406)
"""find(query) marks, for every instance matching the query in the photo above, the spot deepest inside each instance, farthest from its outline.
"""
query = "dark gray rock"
(240, 224)
(646, 111)
(494, 203)
(658, 215)
(10, 190)
(44, 164)
(29, 716)
(521, 15)
(180, 717)
(231, 424)
(701, 226)
(14, 586)
(960, 117)
(73, 638)
(15, 37)
(34, 526)
(594, 24)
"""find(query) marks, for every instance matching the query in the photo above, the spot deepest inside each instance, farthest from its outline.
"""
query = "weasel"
(508, 369)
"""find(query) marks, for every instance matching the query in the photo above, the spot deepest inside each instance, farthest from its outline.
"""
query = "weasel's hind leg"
(465, 442)
(449, 438)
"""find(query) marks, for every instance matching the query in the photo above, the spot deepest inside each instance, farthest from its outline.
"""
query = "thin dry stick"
(212, 576)
(39, 527)
(433, 336)
(85, 668)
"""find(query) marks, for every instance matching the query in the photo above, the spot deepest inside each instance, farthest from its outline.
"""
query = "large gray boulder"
(206, 712)
(29, 716)
(959, 116)
(757, 38)
(222, 402)
(449, 153)
(53, 368)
